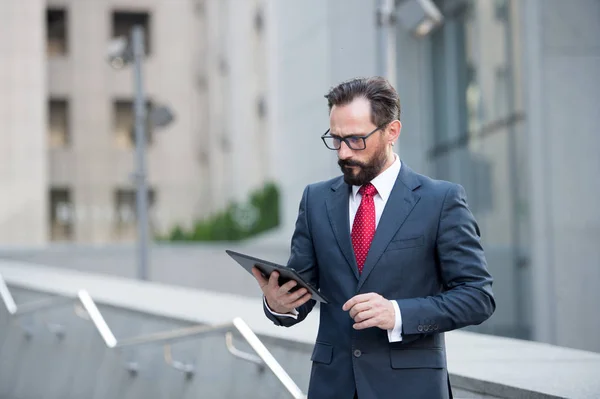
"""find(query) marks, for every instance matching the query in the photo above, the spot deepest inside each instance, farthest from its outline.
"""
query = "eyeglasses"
(334, 142)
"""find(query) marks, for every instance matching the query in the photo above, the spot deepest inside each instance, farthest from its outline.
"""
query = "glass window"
(58, 123)
(124, 124)
(56, 32)
(479, 142)
(62, 215)
(126, 213)
(123, 22)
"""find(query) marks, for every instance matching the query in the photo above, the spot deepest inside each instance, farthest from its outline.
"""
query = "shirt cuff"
(395, 334)
(294, 313)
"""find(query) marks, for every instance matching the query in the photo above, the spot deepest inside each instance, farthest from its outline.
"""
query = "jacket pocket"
(417, 359)
(406, 243)
(322, 353)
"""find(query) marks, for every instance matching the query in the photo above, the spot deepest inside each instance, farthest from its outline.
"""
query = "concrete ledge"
(488, 365)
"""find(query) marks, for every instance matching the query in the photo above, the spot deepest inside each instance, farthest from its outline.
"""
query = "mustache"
(347, 162)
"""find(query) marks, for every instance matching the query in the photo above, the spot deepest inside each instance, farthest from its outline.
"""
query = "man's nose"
(344, 152)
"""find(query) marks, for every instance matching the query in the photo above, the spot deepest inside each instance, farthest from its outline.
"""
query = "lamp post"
(121, 53)
(137, 39)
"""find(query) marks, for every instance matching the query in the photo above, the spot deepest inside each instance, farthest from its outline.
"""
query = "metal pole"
(137, 37)
(386, 57)
(520, 262)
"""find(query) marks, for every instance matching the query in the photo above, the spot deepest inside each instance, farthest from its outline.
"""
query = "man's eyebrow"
(347, 135)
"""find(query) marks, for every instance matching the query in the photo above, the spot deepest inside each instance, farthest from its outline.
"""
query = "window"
(61, 214)
(126, 212)
(123, 22)
(58, 123)
(124, 124)
(477, 140)
(56, 32)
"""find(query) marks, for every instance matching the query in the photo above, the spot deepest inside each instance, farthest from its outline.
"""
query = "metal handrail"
(188, 332)
(262, 358)
(29, 307)
(32, 307)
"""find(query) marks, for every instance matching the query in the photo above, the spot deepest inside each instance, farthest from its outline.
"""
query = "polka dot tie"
(363, 228)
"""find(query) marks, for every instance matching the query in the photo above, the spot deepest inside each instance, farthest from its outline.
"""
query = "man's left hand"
(371, 310)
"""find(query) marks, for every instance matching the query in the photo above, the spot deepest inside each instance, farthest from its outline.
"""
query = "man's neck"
(391, 157)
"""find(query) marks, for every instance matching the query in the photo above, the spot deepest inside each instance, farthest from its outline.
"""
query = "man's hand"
(279, 299)
(371, 310)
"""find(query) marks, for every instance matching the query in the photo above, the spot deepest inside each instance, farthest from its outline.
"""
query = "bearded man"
(397, 253)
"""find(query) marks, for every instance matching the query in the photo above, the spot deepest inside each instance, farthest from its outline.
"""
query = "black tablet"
(285, 273)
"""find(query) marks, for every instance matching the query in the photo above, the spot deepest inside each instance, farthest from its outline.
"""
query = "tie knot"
(368, 189)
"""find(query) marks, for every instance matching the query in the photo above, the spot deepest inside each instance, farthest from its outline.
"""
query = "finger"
(262, 281)
(285, 288)
(357, 299)
(360, 307)
(293, 296)
(372, 322)
(365, 315)
(301, 301)
(274, 280)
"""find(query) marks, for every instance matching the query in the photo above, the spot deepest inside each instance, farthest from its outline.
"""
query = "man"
(397, 253)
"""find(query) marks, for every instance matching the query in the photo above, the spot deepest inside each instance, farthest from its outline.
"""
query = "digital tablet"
(285, 273)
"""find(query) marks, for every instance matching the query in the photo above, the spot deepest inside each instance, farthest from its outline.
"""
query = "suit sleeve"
(467, 298)
(303, 260)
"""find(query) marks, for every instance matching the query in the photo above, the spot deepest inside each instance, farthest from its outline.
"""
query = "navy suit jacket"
(426, 255)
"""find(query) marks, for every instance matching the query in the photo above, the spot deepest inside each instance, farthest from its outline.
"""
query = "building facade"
(23, 155)
(203, 61)
(92, 145)
(501, 98)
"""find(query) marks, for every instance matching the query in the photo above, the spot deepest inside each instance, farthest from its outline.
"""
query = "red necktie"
(363, 228)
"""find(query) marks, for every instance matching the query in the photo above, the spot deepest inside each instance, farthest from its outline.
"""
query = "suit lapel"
(399, 205)
(338, 212)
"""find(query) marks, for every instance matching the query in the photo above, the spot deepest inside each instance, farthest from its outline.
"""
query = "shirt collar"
(384, 182)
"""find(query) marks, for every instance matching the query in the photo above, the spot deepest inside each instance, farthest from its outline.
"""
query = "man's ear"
(393, 131)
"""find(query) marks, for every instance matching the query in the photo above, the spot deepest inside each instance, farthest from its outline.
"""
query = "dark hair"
(384, 100)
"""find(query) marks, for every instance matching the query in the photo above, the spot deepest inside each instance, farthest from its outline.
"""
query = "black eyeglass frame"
(347, 138)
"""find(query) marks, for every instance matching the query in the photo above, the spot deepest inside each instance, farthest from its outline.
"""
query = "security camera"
(161, 116)
(420, 17)
(119, 52)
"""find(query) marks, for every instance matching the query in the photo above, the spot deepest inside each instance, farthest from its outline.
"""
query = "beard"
(363, 172)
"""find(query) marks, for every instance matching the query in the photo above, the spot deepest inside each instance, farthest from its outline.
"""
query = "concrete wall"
(23, 215)
(81, 366)
(314, 45)
(194, 266)
(414, 86)
(562, 64)
(249, 138)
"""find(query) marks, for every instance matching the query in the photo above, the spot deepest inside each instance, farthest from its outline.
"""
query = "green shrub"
(238, 221)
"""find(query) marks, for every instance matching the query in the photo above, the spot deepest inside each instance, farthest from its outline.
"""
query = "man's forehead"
(350, 125)
(359, 108)
(351, 118)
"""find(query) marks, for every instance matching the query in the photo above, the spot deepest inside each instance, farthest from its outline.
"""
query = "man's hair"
(384, 100)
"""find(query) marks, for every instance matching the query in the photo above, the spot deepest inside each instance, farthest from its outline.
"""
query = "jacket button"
(357, 353)
(435, 327)
(420, 328)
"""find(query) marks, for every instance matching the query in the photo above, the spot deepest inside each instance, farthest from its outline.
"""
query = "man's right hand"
(279, 298)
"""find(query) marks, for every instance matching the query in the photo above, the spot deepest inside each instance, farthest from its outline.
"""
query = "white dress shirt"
(384, 183)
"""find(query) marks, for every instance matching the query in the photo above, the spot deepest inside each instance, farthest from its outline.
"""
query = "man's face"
(354, 119)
